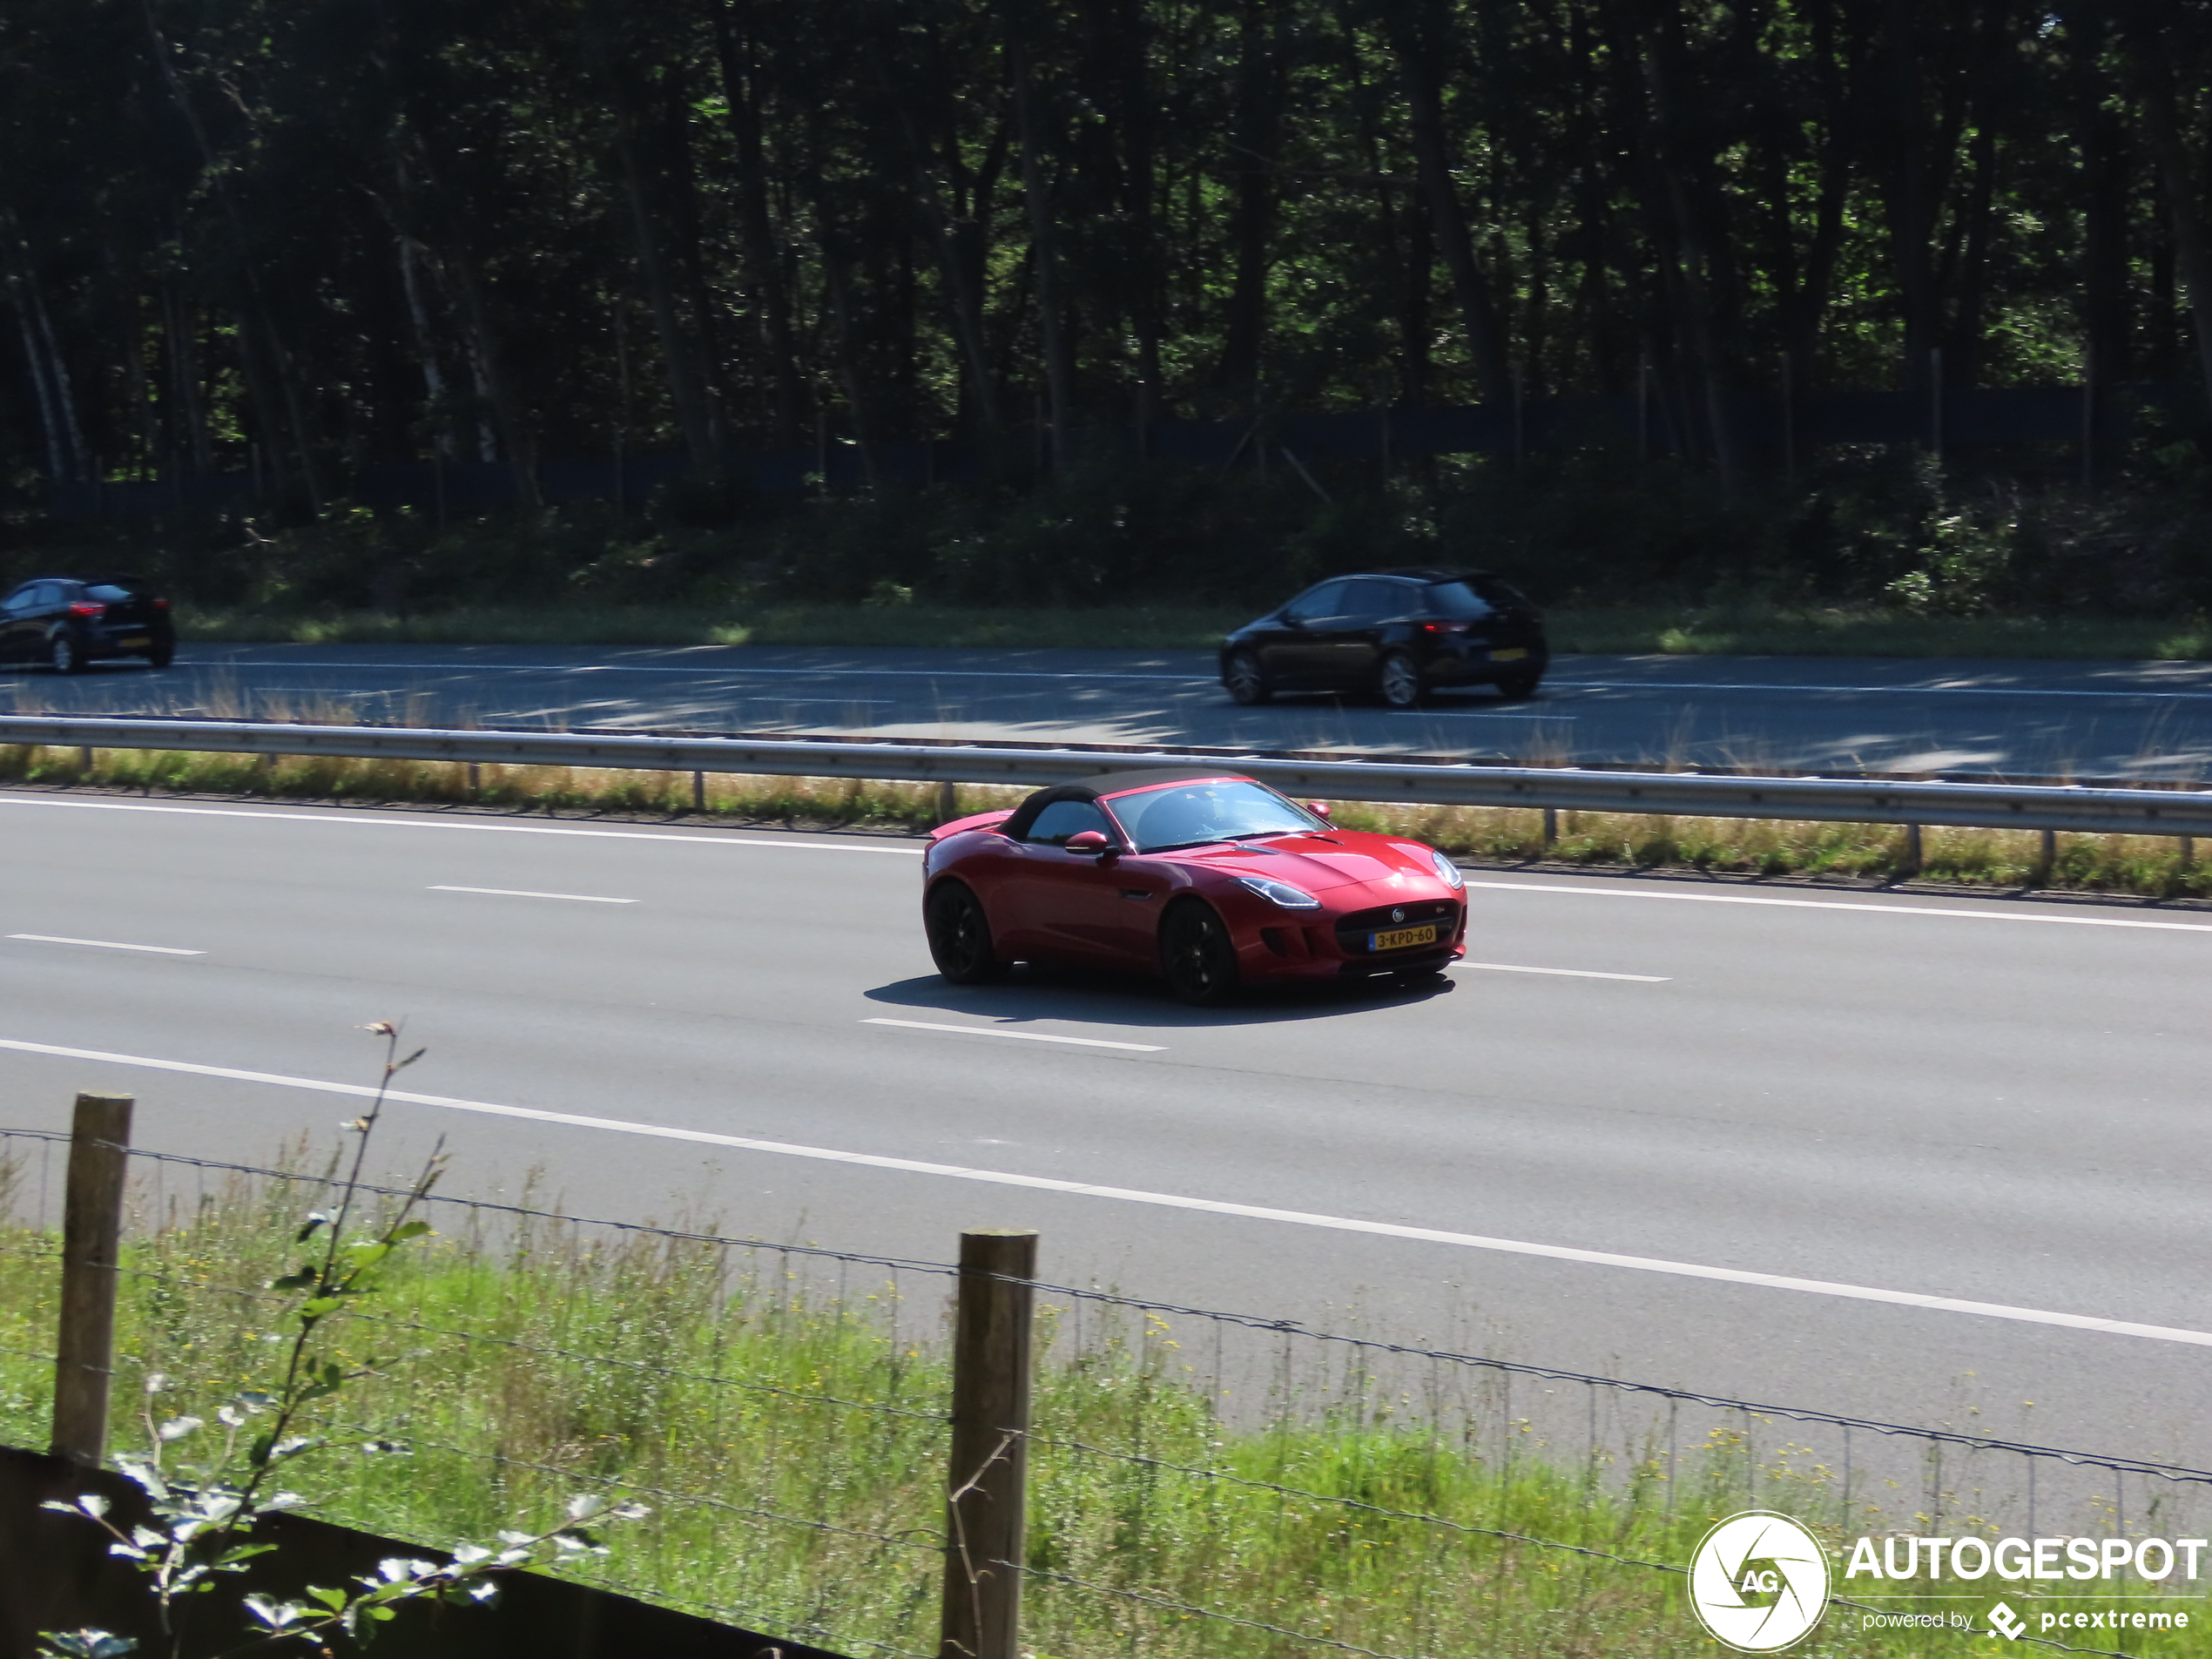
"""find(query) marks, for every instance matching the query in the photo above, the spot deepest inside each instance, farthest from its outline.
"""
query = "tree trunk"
(426, 346)
(756, 229)
(255, 313)
(1687, 231)
(492, 381)
(1419, 40)
(675, 350)
(1044, 241)
(1912, 208)
(2181, 179)
(59, 461)
(184, 379)
(956, 239)
(1259, 91)
(2105, 190)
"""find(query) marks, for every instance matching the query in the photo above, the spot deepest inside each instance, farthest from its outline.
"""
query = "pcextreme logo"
(1758, 1581)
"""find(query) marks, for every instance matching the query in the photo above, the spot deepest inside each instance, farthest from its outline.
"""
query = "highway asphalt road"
(1817, 1120)
(1835, 714)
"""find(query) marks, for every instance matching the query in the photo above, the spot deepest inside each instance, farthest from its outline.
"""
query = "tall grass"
(784, 1420)
(2137, 865)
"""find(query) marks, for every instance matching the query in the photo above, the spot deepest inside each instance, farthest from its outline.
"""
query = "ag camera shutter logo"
(1758, 1581)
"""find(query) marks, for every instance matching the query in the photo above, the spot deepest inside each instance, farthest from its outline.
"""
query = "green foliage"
(305, 241)
(787, 1426)
(205, 1513)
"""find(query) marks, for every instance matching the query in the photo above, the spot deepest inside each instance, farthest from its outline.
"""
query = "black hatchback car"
(1396, 633)
(67, 624)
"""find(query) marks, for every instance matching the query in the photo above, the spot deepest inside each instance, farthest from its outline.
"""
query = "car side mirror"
(1090, 842)
(1319, 808)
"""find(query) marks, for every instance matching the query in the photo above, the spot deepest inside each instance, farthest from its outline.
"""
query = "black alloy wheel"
(960, 935)
(64, 653)
(1400, 682)
(1247, 684)
(1516, 688)
(1197, 958)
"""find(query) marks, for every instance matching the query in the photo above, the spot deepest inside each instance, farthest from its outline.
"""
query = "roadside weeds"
(2138, 867)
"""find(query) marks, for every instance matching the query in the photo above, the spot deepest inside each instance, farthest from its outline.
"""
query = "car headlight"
(1281, 893)
(1449, 870)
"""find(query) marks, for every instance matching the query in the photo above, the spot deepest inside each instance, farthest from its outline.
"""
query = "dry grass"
(2138, 867)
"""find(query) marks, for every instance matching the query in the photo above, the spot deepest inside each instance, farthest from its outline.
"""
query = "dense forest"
(307, 239)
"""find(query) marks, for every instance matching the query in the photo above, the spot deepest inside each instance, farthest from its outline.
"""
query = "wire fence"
(1200, 1482)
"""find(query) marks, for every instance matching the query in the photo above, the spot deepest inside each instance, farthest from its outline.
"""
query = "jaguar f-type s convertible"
(1209, 879)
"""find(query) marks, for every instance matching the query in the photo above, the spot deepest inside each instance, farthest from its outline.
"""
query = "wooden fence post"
(985, 1486)
(92, 1228)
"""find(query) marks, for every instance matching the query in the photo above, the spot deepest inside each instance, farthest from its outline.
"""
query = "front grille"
(1352, 930)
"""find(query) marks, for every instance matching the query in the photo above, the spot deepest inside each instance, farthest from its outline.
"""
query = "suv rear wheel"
(65, 654)
(1246, 684)
(1400, 682)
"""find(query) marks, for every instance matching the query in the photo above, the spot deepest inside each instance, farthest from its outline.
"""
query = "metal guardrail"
(1841, 800)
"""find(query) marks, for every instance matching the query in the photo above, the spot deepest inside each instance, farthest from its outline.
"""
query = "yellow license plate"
(1400, 939)
(1510, 654)
(139, 642)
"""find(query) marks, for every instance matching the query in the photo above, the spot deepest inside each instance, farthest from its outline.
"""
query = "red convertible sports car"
(1209, 879)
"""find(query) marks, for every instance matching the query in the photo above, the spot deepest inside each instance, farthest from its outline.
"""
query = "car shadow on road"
(1072, 995)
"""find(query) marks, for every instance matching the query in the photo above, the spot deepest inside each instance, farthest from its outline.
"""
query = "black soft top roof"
(1112, 783)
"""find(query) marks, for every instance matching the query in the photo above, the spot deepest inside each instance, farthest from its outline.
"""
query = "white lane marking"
(106, 944)
(517, 893)
(1566, 972)
(1860, 690)
(1165, 1200)
(338, 815)
(1024, 1036)
(1838, 904)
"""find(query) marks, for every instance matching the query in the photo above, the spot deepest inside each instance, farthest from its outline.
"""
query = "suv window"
(21, 598)
(1327, 600)
(1458, 600)
(107, 593)
(1065, 818)
(1375, 600)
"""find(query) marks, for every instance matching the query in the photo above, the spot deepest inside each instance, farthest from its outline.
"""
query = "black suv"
(67, 623)
(1397, 633)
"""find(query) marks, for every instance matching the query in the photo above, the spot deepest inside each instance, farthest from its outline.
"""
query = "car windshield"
(1193, 814)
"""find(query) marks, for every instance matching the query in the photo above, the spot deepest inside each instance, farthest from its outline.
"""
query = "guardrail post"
(2047, 858)
(2188, 851)
(91, 1230)
(985, 1489)
(1911, 865)
(698, 792)
(1551, 828)
(947, 802)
